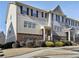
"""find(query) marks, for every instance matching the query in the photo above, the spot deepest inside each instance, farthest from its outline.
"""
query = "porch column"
(44, 34)
(49, 20)
(73, 37)
(50, 24)
(68, 35)
(51, 35)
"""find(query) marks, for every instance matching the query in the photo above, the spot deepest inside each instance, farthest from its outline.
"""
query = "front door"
(47, 34)
(67, 36)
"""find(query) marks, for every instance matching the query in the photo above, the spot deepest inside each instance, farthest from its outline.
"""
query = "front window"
(31, 12)
(29, 24)
(78, 23)
(45, 15)
(57, 28)
(62, 19)
(58, 18)
(21, 9)
(27, 11)
(68, 21)
(75, 23)
(25, 23)
(24, 10)
(36, 13)
(72, 23)
(33, 25)
(42, 14)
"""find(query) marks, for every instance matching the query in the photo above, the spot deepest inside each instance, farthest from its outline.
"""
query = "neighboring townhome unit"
(26, 23)
(2, 38)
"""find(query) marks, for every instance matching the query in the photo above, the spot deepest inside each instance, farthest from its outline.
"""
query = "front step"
(75, 44)
(1, 53)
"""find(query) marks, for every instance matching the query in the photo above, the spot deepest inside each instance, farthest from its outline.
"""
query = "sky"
(70, 8)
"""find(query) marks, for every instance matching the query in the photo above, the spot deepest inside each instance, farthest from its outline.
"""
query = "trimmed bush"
(43, 44)
(67, 43)
(59, 43)
(7, 45)
(22, 44)
(49, 44)
(29, 44)
(0, 46)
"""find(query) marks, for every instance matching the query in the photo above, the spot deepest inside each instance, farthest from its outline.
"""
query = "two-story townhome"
(27, 23)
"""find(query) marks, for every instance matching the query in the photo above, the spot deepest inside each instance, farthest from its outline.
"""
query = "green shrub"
(7, 45)
(0, 45)
(67, 43)
(43, 44)
(59, 43)
(49, 44)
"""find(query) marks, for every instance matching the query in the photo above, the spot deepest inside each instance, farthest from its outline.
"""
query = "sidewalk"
(18, 51)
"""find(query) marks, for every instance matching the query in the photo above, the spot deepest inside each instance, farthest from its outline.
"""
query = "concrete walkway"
(18, 51)
(56, 52)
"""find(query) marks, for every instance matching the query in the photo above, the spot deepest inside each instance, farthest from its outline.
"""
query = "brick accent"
(24, 37)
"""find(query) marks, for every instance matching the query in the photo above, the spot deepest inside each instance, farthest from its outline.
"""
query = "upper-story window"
(72, 23)
(31, 12)
(24, 10)
(42, 14)
(67, 21)
(62, 19)
(45, 15)
(27, 11)
(58, 18)
(36, 13)
(75, 23)
(78, 23)
(21, 9)
(52, 16)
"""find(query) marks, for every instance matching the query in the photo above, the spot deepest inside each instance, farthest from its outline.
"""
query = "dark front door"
(67, 36)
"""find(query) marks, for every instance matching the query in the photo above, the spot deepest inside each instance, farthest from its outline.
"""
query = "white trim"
(44, 34)
(69, 36)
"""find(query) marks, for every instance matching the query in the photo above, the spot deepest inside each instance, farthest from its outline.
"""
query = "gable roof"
(58, 10)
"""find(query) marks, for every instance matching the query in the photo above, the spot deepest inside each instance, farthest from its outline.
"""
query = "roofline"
(17, 3)
(7, 12)
(72, 19)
